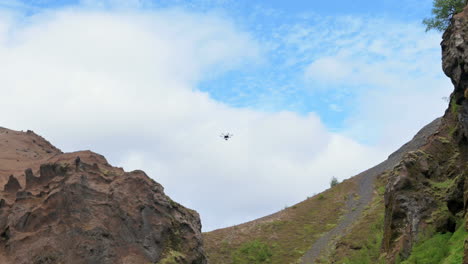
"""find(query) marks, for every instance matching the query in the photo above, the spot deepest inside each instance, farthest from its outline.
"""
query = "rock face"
(57, 210)
(455, 65)
(428, 190)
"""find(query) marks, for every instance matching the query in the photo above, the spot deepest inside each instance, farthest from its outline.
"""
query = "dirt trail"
(354, 208)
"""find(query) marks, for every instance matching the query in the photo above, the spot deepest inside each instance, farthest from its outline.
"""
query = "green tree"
(334, 181)
(443, 11)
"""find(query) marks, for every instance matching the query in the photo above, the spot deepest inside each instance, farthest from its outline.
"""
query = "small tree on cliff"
(443, 11)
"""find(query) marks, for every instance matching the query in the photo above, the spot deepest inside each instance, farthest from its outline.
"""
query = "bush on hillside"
(334, 181)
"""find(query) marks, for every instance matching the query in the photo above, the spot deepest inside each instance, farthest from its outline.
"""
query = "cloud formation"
(390, 70)
(124, 84)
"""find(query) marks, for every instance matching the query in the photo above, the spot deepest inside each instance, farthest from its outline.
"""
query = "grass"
(456, 244)
(452, 130)
(444, 140)
(362, 244)
(370, 251)
(254, 252)
(288, 233)
(440, 249)
(444, 185)
(381, 190)
(431, 251)
(454, 107)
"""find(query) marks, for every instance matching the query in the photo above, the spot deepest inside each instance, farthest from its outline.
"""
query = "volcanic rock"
(92, 213)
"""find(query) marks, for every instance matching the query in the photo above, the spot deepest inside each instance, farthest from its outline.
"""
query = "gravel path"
(366, 179)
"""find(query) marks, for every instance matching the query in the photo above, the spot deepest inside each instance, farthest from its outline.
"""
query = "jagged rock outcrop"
(421, 192)
(12, 185)
(56, 212)
(455, 65)
(428, 190)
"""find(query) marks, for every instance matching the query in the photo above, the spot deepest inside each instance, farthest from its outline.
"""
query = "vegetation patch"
(369, 251)
(442, 248)
(454, 107)
(334, 181)
(254, 252)
(443, 185)
(172, 257)
(286, 235)
(444, 140)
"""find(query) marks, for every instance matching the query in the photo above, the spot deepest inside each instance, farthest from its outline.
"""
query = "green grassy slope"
(283, 237)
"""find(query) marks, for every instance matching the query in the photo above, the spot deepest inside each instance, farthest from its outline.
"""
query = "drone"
(226, 136)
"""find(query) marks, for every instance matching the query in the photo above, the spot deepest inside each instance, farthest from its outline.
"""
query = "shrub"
(333, 181)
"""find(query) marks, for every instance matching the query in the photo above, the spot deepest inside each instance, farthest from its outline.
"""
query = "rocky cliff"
(58, 208)
(427, 192)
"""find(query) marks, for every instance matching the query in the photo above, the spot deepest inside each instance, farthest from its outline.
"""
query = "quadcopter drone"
(226, 136)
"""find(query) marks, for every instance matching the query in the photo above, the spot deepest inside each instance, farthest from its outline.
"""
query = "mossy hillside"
(440, 248)
(288, 233)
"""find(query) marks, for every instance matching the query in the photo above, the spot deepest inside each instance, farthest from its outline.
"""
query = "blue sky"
(277, 82)
(310, 90)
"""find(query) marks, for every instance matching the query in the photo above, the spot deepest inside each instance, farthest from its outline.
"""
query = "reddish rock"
(12, 185)
(91, 213)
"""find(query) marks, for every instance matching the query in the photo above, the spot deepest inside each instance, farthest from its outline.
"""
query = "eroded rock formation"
(55, 212)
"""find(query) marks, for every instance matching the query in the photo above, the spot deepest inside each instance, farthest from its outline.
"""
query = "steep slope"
(308, 230)
(366, 190)
(422, 216)
(56, 208)
(415, 212)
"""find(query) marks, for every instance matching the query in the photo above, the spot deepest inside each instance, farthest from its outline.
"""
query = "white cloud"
(388, 117)
(330, 69)
(391, 69)
(123, 84)
(258, 171)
